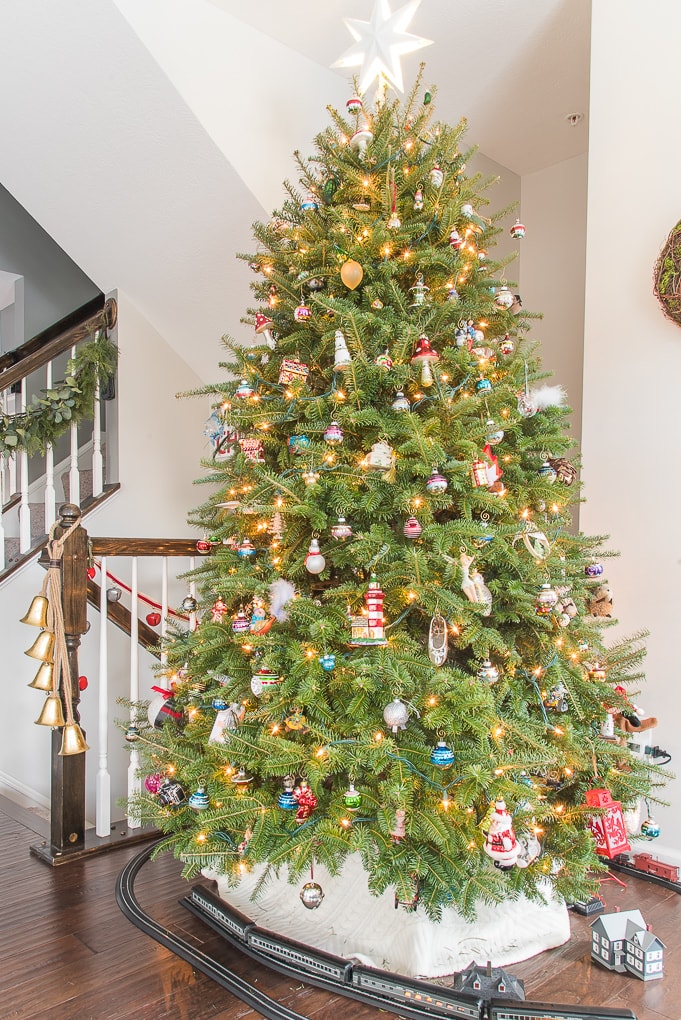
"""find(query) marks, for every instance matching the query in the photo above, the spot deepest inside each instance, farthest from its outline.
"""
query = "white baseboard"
(21, 794)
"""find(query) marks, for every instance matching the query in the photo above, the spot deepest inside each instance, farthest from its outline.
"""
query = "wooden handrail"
(143, 546)
(30, 362)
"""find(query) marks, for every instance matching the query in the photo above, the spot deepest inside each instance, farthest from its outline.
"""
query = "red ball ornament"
(91, 573)
(82, 683)
(153, 619)
(203, 546)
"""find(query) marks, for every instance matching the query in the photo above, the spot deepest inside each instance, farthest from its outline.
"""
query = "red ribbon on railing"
(140, 595)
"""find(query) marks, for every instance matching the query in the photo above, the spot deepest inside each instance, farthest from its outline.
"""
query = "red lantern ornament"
(608, 829)
(153, 619)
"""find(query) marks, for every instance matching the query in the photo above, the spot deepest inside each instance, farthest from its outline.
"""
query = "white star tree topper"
(380, 43)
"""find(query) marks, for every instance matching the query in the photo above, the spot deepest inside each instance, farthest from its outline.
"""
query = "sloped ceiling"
(147, 135)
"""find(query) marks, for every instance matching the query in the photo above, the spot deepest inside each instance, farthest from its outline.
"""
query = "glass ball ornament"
(436, 484)
(506, 345)
(132, 734)
(311, 895)
(412, 529)
(245, 549)
(302, 313)
(461, 337)
(483, 387)
(384, 361)
(650, 829)
(264, 679)
(327, 661)
(400, 403)
(309, 203)
(333, 434)
(298, 444)
(315, 284)
(171, 793)
(286, 800)
(352, 798)
(341, 530)
(354, 105)
(244, 390)
(547, 473)
(199, 800)
(593, 569)
(442, 756)
(396, 715)
(352, 274)
(518, 230)
(546, 600)
(153, 782)
(189, 604)
(314, 561)
(503, 298)
(493, 434)
(488, 673)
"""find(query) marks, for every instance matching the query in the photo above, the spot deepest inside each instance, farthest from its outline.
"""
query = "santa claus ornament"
(500, 842)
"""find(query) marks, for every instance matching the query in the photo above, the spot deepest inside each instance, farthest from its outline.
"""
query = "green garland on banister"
(49, 416)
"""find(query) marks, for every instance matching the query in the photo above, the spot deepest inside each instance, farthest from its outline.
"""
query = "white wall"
(161, 444)
(553, 204)
(632, 356)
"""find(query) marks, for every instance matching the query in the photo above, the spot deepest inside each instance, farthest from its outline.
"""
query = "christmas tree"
(400, 649)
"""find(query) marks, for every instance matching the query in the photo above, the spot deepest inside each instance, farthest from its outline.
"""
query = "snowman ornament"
(500, 841)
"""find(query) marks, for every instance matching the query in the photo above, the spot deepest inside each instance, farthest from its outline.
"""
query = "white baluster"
(11, 476)
(74, 474)
(50, 495)
(192, 592)
(103, 784)
(164, 618)
(97, 460)
(2, 518)
(24, 506)
(134, 783)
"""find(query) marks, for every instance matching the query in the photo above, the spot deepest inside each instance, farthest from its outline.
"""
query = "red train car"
(652, 866)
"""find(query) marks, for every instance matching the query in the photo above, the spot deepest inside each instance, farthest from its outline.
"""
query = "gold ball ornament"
(351, 274)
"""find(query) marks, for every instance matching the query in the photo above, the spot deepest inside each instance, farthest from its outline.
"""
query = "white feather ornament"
(281, 592)
(548, 396)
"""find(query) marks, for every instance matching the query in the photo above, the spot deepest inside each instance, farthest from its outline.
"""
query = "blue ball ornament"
(442, 755)
(327, 662)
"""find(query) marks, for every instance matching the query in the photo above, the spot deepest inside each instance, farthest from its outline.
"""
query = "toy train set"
(644, 865)
(384, 989)
(387, 991)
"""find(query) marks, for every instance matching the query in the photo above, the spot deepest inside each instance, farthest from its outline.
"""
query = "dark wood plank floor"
(67, 952)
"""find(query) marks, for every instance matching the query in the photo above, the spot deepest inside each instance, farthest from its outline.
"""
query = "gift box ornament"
(293, 371)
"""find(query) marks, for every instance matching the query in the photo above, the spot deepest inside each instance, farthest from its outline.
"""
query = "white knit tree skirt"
(354, 924)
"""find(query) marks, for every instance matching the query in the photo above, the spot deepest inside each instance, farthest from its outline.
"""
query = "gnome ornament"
(500, 842)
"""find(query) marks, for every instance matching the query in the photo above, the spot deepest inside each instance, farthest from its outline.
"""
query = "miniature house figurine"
(621, 942)
(489, 982)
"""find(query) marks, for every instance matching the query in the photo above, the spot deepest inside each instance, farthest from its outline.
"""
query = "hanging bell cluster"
(43, 649)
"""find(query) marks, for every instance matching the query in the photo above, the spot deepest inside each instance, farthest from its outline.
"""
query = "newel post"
(67, 807)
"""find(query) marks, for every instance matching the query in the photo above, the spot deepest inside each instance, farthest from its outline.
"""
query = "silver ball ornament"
(311, 895)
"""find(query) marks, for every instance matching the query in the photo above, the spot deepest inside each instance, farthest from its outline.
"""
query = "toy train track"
(387, 991)
(128, 903)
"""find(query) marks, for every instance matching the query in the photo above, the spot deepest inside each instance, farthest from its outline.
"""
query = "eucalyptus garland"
(51, 414)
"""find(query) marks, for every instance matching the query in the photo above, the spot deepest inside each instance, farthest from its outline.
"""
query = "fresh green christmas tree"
(399, 651)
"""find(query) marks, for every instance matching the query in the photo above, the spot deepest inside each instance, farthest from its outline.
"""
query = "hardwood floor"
(67, 952)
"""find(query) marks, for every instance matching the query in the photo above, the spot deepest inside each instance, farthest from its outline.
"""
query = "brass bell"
(42, 681)
(73, 741)
(43, 647)
(37, 612)
(52, 713)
